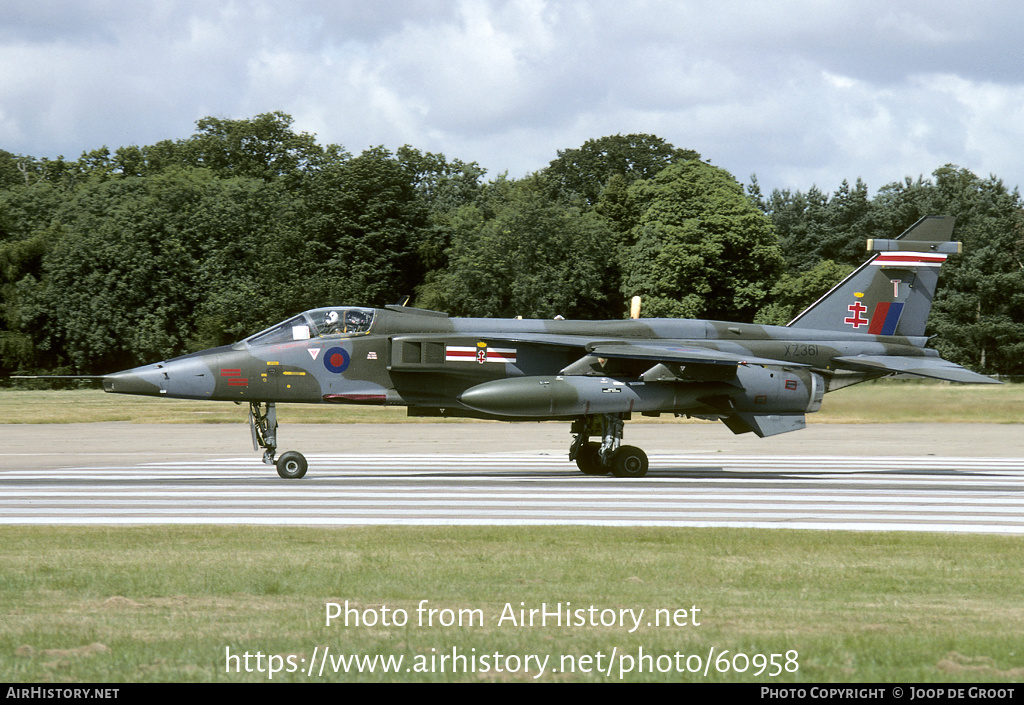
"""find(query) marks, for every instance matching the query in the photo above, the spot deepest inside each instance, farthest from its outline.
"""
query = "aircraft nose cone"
(182, 378)
(141, 380)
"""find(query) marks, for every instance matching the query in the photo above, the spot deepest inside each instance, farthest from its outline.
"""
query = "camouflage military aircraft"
(760, 379)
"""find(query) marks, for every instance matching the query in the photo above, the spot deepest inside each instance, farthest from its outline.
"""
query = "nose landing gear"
(263, 423)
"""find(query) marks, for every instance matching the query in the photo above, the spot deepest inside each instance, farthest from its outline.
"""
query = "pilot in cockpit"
(332, 324)
(351, 321)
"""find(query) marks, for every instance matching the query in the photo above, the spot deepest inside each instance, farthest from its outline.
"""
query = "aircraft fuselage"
(408, 357)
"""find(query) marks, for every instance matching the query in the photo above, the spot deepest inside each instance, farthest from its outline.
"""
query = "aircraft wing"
(681, 354)
(934, 367)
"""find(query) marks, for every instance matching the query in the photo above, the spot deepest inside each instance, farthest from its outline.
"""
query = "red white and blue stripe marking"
(885, 318)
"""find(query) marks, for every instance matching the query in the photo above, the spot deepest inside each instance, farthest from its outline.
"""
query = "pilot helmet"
(331, 318)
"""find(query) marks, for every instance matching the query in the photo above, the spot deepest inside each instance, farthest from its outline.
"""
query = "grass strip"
(145, 604)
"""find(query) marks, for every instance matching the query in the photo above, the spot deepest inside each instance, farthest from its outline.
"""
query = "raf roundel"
(336, 360)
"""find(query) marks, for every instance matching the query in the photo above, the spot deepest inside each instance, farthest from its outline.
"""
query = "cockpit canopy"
(317, 322)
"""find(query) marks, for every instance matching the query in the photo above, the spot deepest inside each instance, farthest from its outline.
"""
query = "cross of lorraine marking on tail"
(855, 320)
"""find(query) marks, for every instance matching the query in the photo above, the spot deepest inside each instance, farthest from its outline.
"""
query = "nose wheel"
(263, 423)
(291, 465)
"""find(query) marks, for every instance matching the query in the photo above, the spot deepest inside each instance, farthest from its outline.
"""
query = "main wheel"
(588, 460)
(629, 461)
(291, 465)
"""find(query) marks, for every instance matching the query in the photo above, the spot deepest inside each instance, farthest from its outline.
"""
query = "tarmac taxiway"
(919, 477)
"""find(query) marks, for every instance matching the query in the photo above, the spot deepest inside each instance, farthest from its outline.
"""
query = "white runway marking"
(806, 492)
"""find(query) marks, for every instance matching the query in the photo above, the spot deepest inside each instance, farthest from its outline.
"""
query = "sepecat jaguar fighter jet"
(594, 374)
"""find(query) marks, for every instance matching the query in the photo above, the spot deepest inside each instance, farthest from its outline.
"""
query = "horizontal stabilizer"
(933, 367)
(947, 248)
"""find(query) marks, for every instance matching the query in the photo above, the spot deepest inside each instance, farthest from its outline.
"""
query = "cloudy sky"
(798, 92)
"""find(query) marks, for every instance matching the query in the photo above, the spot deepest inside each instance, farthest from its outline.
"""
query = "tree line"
(121, 258)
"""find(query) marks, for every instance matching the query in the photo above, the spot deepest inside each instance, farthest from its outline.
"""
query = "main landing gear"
(608, 456)
(263, 422)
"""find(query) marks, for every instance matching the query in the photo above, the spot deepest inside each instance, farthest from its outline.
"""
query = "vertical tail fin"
(891, 293)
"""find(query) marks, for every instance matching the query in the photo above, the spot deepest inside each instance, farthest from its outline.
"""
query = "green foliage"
(520, 253)
(150, 252)
(813, 227)
(584, 172)
(11, 169)
(263, 148)
(139, 261)
(793, 293)
(701, 249)
(24, 242)
(978, 316)
(364, 220)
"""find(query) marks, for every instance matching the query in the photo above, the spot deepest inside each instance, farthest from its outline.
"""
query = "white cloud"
(990, 116)
(798, 91)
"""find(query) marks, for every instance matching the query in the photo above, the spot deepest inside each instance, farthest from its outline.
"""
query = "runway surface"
(468, 475)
